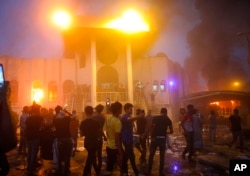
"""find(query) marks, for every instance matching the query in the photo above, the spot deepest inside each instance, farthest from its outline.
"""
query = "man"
(32, 132)
(114, 144)
(90, 129)
(8, 124)
(197, 127)
(141, 131)
(182, 112)
(127, 139)
(149, 119)
(160, 126)
(188, 131)
(74, 126)
(236, 129)
(101, 119)
(63, 141)
(212, 125)
(23, 118)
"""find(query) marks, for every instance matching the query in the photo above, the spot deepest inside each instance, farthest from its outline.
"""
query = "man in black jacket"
(63, 141)
(160, 126)
(101, 119)
(90, 129)
(236, 129)
(141, 131)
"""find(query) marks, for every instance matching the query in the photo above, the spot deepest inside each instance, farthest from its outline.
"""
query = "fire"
(62, 19)
(215, 103)
(37, 94)
(130, 22)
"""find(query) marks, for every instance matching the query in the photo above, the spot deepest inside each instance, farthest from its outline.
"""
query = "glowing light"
(62, 19)
(171, 83)
(130, 22)
(236, 83)
(37, 94)
(175, 168)
(215, 103)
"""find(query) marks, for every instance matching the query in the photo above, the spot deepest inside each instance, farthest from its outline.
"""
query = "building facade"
(66, 82)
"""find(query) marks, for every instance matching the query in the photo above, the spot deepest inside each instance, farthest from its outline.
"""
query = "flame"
(37, 94)
(130, 22)
(62, 19)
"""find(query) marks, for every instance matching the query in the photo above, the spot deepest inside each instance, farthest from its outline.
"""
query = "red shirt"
(187, 123)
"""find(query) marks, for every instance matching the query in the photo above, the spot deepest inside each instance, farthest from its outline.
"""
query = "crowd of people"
(191, 125)
(52, 134)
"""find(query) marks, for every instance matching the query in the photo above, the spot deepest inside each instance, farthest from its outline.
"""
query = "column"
(130, 73)
(93, 64)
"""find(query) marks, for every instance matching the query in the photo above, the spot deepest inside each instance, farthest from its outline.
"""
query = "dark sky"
(218, 54)
(199, 34)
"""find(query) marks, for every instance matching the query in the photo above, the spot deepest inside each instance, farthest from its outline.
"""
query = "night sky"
(200, 35)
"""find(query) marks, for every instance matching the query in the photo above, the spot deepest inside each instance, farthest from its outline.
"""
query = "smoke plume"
(218, 53)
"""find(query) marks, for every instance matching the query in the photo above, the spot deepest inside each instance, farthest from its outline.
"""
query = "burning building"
(69, 82)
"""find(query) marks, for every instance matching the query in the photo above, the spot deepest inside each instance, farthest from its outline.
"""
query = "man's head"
(128, 108)
(58, 109)
(143, 112)
(164, 111)
(236, 111)
(26, 109)
(89, 110)
(51, 111)
(116, 108)
(35, 109)
(190, 109)
(99, 108)
(138, 111)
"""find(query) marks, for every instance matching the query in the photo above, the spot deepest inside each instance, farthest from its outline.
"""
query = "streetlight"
(236, 85)
(130, 22)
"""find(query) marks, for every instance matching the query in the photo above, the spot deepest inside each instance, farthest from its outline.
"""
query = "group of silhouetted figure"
(52, 134)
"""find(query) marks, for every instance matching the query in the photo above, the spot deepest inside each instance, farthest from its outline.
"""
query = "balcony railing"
(113, 96)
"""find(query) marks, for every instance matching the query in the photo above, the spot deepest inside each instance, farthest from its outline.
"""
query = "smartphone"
(2, 78)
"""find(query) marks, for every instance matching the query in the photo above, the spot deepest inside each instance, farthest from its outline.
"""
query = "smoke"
(169, 22)
(218, 54)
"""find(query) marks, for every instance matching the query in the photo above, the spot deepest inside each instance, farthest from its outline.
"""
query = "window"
(163, 86)
(14, 91)
(52, 91)
(37, 91)
(155, 86)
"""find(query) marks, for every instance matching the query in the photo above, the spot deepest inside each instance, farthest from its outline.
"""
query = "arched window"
(163, 86)
(155, 86)
(14, 91)
(37, 91)
(52, 91)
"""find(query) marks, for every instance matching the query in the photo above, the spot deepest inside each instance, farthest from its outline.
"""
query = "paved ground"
(212, 161)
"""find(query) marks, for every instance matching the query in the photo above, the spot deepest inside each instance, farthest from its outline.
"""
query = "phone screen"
(1, 75)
